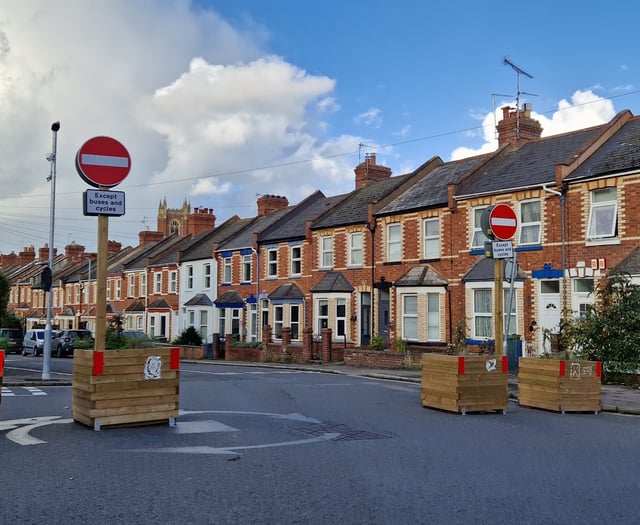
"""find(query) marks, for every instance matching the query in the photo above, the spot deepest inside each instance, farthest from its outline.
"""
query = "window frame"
(272, 263)
(227, 273)
(410, 317)
(295, 260)
(528, 225)
(246, 268)
(476, 228)
(394, 242)
(600, 206)
(430, 240)
(356, 249)
(326, 251)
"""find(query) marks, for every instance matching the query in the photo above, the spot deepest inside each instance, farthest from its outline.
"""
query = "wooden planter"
(465, 384)
(126, 387)
(562, 386)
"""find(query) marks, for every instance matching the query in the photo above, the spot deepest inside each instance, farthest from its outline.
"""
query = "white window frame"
(482, 314)
(226, 270)
(394, 242)
(132, 285)
(356, 249)
(433, 317)
(118, 289)
(478, 238)
(278, 320)
(341, 317)
(246, 268)
(326, 251)
(530, 224)
(431, 238)
(143, 285)
(294, 321)
(322, 316)
(603, 210)
(157, 282)
(173, 281)
(272, 263)
(207, 276)
(189, 277)
(204, 324)
(295, 257)
(410, 317)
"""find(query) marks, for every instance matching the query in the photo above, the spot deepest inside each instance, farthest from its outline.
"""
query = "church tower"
(182, 221)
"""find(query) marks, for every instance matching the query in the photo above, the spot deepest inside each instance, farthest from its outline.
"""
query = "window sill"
(602, 242)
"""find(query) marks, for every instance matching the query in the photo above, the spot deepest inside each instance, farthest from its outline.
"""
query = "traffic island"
(465, 383)
(560, 385)
(127, 387)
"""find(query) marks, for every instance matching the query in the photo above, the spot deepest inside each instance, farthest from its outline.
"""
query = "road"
(265, 446)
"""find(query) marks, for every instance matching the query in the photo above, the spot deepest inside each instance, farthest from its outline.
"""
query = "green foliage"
(610, 329)
(458, 345)
(9, 320)
(114, 340)
(401, 345)
(5, 288)
(247, 344)
(189, 337)
(4, 343)
(377, 342)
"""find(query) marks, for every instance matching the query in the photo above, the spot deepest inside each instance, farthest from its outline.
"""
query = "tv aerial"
(519, 71)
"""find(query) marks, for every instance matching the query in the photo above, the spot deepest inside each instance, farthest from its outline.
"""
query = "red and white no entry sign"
(103, 162)
(503, 222)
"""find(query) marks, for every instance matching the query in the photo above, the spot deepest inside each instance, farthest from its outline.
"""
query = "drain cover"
(346, 432)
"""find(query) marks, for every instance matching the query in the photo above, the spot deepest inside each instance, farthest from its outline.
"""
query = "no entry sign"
(103, 162)
(503, 222)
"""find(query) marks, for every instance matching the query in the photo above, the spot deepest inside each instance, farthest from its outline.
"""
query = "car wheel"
(24, 351)
(59, 351)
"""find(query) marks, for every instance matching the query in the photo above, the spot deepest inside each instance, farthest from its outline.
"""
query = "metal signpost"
(102, 162)
(499, 222)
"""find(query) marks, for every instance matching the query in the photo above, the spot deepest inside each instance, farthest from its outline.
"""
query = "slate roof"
(200, 299)
(293, 225)
(333, 282)
(158, 303)
(620, 153)
(354, 208)
(135, 306)
(483, 269)
(630, 264)
(202, 248)
(421, 276)
(532, 164)
(138, 261)
(229, 299)
(432, 190)
(244, 238)
(287, 292)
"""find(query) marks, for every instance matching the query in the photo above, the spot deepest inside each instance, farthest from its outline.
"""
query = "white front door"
(549, 321)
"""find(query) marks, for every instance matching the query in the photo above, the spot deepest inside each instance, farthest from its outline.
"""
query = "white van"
(33, 342)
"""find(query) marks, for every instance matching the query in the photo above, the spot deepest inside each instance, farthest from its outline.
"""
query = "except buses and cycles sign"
(103, 162)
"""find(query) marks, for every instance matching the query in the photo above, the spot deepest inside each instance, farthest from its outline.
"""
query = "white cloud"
(583, 110)
(328, 105)
(372, 117)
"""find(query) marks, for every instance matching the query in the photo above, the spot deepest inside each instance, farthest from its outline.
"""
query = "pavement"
(615, 398)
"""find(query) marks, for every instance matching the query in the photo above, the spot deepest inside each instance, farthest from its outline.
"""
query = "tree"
(5, 288)
(609, 330)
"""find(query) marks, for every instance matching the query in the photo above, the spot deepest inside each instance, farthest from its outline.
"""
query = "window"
(246, 268)
(341, 317)
(192, 318)
(77, 293)
(226, 270)
(108, 292)
(478, 237)
(235, 321)
(132, 286)
(394, 242)
(603, 215)
(323, 314)
(512, 319)
(278, 315)
(431, 228)
(433, 317)
(157, 276)
(530, 222)
(410, 317)
(207, 276)
(222, 313)
(204, 328)
(272, 263)
(355, 249)
(189, 277)
(482, 315)
(173, 281)
(296, 260)
(118, 289)
(294, 321)
(326, 252)
(143, 285)
(583, 296)
(174, 227)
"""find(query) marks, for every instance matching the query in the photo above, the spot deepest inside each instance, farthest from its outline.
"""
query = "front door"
(365, 318)
(383, 314)
(549, 315)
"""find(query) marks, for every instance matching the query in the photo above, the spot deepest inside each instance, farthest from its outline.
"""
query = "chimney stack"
(368, 171)
(147, 237)
(517, 127)
(269, 203)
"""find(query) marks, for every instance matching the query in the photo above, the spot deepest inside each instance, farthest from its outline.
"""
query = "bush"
(377, 343)
(189, 337)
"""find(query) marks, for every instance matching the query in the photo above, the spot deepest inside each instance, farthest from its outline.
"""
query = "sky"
(221, 101)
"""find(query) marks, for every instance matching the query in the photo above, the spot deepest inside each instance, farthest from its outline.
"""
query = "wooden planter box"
(465, 384)
(126, 387)
(562, 386)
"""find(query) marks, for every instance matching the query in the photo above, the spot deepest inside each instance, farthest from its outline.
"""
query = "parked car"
(65, 342)
(14, 339)
(33, 342)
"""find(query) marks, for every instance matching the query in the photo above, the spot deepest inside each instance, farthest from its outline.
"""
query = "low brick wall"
(382, 359)
(275, 353)
(191, 352)
(237, 353)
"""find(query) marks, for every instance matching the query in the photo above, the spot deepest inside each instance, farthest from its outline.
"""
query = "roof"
(135, 306)
(630, 264)
(286, 293)
(158, 303)
(244, 238)
(421, 276)
(200, 299)
(333, 282)
(620, 153)
(433, 189)
(202, 247)
(532, 164)
(229, 299)
(354, 208)
(483, 270)
(294, 224)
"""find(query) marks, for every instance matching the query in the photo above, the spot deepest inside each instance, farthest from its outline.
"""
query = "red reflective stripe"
(98, 363)
(175, 359)
(1, 363)
(460, 365)
(505, 364)
(598, 369)
(561, 368)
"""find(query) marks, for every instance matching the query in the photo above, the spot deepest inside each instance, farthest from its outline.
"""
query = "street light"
(46, 355)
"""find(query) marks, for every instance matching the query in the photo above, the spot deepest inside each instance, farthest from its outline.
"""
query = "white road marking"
(20, 434)
(200, 427)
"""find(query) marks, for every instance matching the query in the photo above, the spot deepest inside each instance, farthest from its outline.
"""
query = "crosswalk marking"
(18, 391)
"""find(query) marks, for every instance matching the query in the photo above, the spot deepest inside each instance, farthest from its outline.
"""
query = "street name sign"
(103, 202)
(103, 162)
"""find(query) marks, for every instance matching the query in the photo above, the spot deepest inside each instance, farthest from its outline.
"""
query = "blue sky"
(219, 101)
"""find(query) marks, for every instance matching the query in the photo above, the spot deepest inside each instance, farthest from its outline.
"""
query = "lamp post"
(46, 355)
